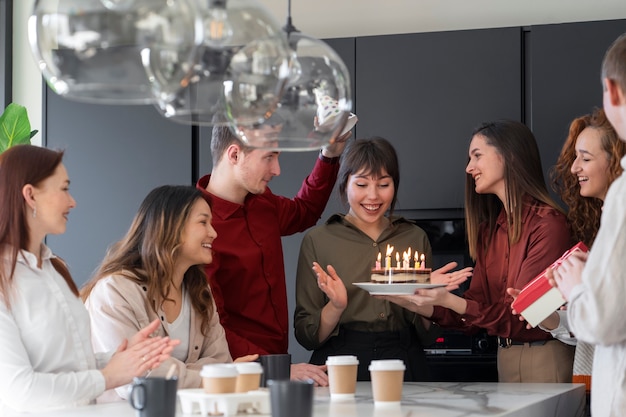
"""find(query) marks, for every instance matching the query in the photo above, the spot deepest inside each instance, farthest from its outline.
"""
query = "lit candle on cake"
(422, 263)
(398, 260)
(405, 259)
(388, 257)
(378, 260)
(416, 258)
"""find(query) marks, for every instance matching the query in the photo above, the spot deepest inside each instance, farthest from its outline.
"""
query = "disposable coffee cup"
(387, 378)
(342, 371)
(249, 376)
(219, 378)
(153, 397)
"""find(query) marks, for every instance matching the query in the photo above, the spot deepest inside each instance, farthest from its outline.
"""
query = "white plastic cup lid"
(387, 365)
(218, 370)
(342, 360)
(249, 367)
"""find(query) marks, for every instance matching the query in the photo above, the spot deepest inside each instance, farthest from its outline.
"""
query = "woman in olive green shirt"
(334, 317)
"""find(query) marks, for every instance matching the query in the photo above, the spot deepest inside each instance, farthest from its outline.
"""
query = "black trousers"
(368, 346)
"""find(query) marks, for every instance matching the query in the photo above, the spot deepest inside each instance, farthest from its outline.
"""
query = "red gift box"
(538, 299)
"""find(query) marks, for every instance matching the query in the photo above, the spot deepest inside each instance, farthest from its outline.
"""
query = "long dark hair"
(21, 165)
(523, 176)
(147, 253)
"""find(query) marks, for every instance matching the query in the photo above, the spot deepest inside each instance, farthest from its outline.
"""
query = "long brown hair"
(147, 253)
(21, 165)
(584, 212)
(523, 177)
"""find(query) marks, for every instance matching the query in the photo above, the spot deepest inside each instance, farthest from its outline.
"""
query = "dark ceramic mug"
(276, 367)
(154, 397)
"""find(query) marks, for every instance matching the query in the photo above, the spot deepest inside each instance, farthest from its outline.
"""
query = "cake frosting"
(401, 276)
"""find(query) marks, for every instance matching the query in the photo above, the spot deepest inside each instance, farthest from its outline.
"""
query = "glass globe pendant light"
(242, 51)
(315, 105)
(89, 50)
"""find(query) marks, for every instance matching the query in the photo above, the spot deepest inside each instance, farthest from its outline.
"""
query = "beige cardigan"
(119, 308)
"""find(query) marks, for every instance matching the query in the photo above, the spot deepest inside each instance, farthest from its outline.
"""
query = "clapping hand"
(137, 356)
(330, 283)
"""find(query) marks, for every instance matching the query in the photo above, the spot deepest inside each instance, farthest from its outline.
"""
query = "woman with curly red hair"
(587, 165)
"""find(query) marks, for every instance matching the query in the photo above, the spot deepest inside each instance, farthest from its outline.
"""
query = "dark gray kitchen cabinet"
(564, 63)
(114, 156)
(426, 92)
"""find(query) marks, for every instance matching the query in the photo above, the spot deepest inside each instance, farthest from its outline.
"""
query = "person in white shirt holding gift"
(595, 284)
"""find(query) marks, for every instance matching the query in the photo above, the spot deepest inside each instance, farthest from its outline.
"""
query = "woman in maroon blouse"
(515, 230)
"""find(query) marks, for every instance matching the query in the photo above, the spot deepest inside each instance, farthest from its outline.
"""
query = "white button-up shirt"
(596, 306)
(46, 358)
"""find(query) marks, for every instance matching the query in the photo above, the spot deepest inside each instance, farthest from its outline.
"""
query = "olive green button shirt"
(353, 254)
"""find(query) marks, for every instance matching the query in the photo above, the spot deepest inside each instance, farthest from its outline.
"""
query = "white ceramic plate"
(393, 289)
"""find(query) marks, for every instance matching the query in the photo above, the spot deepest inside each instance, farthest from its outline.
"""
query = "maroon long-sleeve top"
(247, 275)
(545, 237)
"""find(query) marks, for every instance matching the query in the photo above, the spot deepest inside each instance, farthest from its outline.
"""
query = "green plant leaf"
(14, 127)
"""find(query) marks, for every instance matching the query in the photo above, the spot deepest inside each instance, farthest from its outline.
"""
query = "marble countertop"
(441, 399)
(462, 399)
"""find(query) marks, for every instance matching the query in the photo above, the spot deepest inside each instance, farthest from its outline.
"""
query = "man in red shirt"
(247, 276)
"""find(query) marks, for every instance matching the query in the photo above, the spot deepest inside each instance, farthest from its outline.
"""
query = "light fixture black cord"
(289, 27)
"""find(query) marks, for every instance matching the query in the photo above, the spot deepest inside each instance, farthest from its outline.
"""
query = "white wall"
(344, 18)
(27, 82)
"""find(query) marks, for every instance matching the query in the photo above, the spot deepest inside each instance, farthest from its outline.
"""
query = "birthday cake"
(401, 276)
